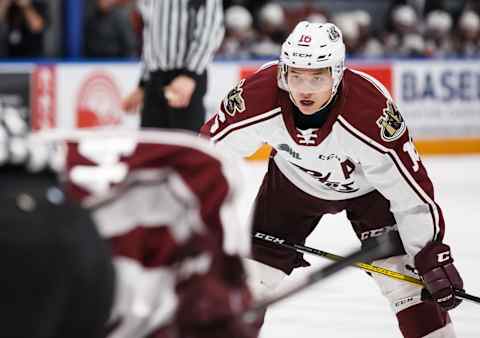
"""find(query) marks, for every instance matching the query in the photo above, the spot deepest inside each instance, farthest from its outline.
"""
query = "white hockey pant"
(416, 318)
(263, 279)
(404, 298)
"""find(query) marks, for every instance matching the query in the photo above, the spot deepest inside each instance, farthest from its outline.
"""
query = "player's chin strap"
(364, 266)
(381, 248)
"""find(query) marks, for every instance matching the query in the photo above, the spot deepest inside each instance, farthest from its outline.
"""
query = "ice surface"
(349, 305)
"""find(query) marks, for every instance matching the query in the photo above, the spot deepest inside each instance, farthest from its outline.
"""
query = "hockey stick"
(364, 266)
(381, 248)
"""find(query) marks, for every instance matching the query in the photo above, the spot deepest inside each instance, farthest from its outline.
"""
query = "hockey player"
(166, 202)
(339, 143)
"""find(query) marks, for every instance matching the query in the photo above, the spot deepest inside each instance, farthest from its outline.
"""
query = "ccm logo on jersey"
(391, 123)
(443, 256)
(269, 238)
(234, 102)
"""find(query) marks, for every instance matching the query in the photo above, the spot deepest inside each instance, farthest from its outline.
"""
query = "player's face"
(310, 88)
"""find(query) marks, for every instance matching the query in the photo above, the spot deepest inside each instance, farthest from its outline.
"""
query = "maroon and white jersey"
(364, 145)
(166, 202)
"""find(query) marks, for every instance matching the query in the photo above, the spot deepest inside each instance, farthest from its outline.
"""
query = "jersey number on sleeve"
(409, 148)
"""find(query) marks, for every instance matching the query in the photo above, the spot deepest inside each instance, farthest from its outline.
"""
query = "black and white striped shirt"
(180, 34)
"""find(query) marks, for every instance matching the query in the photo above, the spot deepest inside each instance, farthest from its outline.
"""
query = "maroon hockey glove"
(435, 265)
(211, 307)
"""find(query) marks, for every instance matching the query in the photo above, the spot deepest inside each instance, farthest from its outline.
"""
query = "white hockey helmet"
(313, 45)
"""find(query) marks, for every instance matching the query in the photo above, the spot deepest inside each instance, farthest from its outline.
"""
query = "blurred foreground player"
(339, 144)
(57, 274)
(166, 202)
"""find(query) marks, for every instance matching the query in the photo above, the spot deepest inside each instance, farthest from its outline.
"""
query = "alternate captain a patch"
(234, 103)
(391, 123)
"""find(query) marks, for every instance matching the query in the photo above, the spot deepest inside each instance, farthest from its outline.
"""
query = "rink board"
(440, 100)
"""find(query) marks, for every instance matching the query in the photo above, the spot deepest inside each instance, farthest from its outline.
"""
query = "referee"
(180, 38)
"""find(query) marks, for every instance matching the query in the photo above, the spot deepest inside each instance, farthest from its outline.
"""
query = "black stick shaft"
(320, 275)
(364, 266)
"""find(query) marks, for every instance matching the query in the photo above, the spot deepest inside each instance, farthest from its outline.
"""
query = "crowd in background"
(406, 31)
(256, 28)
(22, 27)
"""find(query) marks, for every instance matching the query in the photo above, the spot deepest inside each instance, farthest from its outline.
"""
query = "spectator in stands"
(272, 30)
(350, 29)
(368, 44)
(253, 6)
(304, 10)
(24, 23)
(316, 18)
(413, 46)
(405, 38)
(239, 33)
(415, 28)
(467, 41)
(109, 32)
(472, 5)
(357, 37)
(3, 34)
(437, 34)
(421, 7)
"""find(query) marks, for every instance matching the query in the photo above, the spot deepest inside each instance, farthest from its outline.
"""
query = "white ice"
(349, 304)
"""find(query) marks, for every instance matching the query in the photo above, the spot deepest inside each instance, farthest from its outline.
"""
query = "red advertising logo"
(43, 98)
(381, 72)
(99, 101)
(247, 71)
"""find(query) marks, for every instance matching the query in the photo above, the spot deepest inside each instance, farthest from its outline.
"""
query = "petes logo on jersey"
(234, 102)
(391, 123)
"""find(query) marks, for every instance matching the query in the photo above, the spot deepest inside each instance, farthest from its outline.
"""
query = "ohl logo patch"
(234, 102)
(391, 123)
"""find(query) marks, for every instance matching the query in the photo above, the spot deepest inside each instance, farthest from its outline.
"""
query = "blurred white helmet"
(314, 46)
(272, 14)
(414, 43)
(404, 15)
(238, 18)
(362, 17)
(440, 21)
(348, 25)
(469, 21)
(316, 18)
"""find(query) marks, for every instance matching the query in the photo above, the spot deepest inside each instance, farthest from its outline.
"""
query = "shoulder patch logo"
(391, 123)
(234, 102)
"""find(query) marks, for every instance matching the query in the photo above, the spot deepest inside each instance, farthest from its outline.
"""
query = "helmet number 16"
(305, 39)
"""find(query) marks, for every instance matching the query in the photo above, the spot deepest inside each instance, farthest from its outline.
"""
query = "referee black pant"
(157, 113)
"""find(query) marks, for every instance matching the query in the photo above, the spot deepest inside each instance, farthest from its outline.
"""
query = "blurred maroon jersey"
(167, 205)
